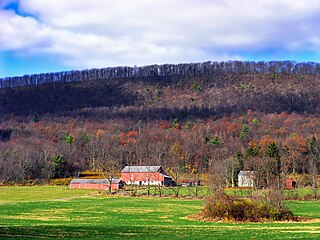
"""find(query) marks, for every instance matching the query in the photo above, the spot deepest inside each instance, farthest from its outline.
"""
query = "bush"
(235, 209)
(60, 181)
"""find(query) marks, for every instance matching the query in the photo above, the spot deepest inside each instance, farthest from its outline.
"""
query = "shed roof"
(246, 174)
(290, 180)
(166, 176)
(141, 169)
(95, 181)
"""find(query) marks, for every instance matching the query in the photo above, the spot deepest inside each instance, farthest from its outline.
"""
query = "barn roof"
(141, 169)
(95, 181)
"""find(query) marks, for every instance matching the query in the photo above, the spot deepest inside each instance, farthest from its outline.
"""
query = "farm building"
(246, 179)
(190, 183)
(289, 184)
(145, 175)
(101, 184)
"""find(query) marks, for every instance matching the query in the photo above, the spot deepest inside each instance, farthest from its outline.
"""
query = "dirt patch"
(44, 215)
(134, 210)
(303, 231)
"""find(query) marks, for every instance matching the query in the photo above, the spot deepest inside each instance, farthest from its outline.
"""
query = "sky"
(57, 35)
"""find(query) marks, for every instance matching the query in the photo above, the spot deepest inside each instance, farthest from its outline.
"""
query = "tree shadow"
(56, 98)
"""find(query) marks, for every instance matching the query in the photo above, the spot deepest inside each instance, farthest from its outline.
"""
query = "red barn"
(145, 175)
(101, 184)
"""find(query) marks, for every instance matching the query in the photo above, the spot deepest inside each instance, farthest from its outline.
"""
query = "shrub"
(235, 209)
(244, 132)
(215, 141)
(60, 181)
(196, 87)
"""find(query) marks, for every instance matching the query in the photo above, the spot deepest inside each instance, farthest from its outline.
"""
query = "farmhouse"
(101, 184)
(145, 175)
(246, 179)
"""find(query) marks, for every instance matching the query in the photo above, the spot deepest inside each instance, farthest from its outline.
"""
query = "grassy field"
(58, 212)
(39, 193)
(202, 191)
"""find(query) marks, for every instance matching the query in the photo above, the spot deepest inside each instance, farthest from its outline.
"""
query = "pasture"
(58, 212)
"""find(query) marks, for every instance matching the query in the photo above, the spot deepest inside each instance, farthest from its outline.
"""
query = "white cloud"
(96, 33)
(19, 33)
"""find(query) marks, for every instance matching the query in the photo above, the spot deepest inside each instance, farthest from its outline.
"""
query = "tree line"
(187, 69)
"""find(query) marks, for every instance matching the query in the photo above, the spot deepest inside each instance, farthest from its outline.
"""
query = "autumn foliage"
(212, 123)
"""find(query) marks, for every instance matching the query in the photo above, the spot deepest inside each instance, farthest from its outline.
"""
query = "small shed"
(246, 179)
(190, 183)
(289, 183)
(101, 184)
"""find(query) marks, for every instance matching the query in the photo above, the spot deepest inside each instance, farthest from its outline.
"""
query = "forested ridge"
(185, 69)
(210, 118)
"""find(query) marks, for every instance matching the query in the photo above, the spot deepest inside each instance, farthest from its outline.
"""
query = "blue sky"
(56, 35)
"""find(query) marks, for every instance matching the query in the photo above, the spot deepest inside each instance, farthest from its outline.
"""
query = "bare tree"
(217, 171)
(314, 161)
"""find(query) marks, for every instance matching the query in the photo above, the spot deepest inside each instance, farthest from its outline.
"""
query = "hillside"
(218, 122)
(168, 97)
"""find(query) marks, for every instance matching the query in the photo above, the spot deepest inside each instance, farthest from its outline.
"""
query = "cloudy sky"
(55, 35)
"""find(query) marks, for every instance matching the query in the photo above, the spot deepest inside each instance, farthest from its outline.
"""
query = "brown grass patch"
(295, 219)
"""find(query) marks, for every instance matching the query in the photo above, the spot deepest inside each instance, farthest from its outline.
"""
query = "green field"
(59, 212)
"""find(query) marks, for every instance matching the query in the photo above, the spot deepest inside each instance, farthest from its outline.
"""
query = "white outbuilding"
(246, 179)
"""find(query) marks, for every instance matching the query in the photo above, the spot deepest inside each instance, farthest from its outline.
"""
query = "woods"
(211, 118)
(272, 145)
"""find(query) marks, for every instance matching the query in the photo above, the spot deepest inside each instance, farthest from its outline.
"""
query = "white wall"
(144, 183)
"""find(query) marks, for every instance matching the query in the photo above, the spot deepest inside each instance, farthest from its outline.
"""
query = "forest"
(212, 118)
